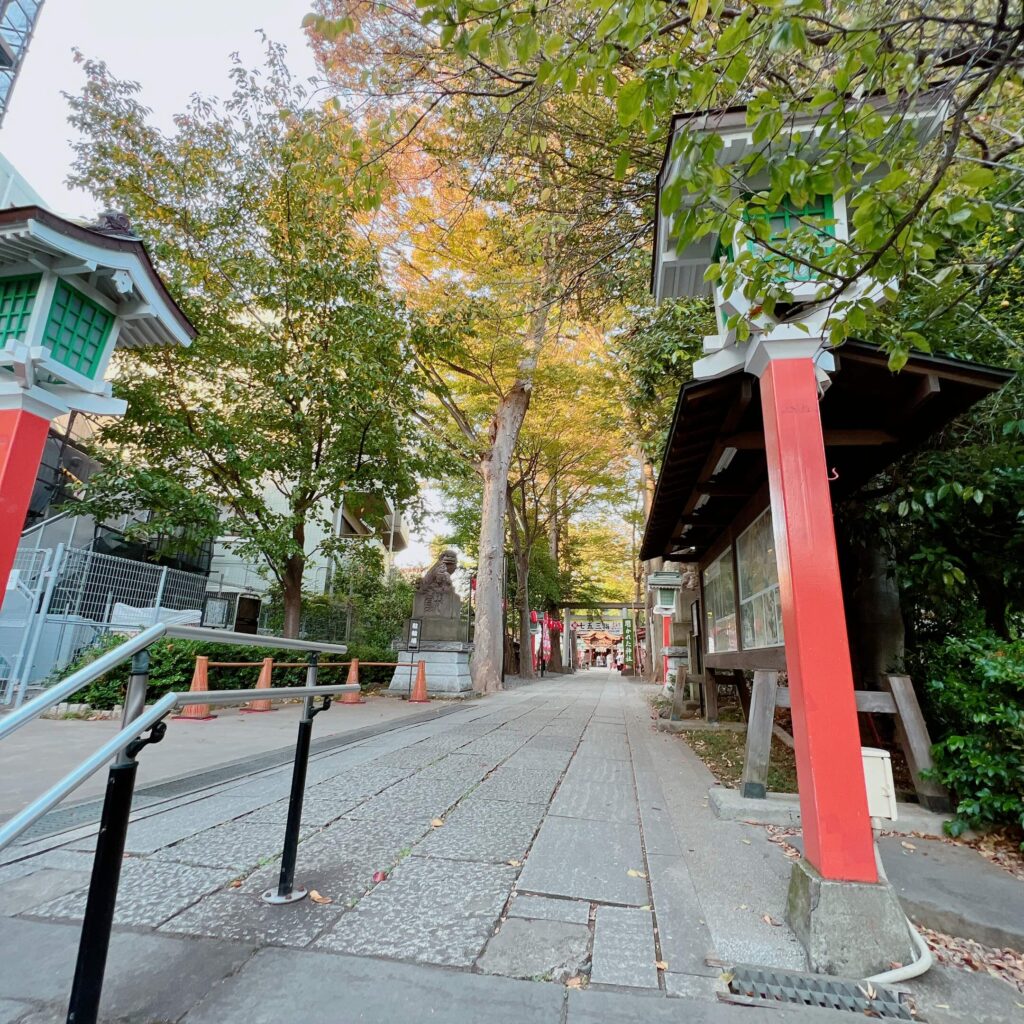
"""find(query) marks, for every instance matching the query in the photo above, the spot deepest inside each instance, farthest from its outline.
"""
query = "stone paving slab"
(12, 1012)
(429, 911)
(29, 890)
(544, 908)
(624, 951)
(240, 847)
(326, 989)
(535, 758)
(521, 785)
(955, 890)
(598, 801)
(149, 977)
(340, 861)
(685, 939)
(484, 830)
(602, 750)
(587, 860)
(150, 892)
(538, 950)
(244, 917)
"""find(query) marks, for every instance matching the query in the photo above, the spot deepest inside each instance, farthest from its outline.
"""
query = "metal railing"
(123, 749)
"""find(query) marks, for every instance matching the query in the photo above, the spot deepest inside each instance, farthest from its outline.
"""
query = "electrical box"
(878, 782)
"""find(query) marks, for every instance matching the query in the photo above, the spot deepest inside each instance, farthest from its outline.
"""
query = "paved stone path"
(576, 843)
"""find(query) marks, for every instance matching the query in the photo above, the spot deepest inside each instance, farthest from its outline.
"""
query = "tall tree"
(300, 385)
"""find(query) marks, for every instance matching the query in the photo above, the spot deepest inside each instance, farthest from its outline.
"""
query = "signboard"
(627, 641)
(414, 635)
(614, 627)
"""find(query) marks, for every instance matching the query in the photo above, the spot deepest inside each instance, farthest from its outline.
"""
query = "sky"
(172, 49)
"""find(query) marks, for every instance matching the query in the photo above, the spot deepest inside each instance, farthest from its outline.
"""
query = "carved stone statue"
(435, 596)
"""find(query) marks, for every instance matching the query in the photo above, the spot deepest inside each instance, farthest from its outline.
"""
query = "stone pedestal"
(853, 929)
(446, 664)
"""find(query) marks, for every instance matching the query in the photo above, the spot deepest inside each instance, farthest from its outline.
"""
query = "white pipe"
(924, 960)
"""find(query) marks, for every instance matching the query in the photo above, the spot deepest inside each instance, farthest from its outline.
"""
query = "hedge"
(172, 662)
(975, 695)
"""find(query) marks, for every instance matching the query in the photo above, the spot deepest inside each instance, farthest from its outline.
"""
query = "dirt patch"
(723, 753)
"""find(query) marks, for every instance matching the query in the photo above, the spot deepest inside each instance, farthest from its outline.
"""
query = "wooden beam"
(871, 701)
(849, 438)
(717, 490)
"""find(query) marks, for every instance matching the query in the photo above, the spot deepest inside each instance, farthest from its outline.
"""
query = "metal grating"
(759, 985)
(77, 330)
(17, 297)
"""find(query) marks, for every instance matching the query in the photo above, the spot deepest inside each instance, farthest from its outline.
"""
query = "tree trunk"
(487, 653)
(291, 585)
(493, 468)
(523, 590)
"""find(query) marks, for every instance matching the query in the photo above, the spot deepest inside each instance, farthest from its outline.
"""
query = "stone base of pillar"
(852, 929)
(446, 665)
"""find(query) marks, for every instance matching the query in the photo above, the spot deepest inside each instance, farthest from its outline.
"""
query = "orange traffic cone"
(263, 683)
(200, 684)
(356, 697)
(419, 690)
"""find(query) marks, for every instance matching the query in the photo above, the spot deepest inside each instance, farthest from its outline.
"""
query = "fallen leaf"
(768, 919)
(515, 863)
(236, 884)
(436, 822)
(745, 841)
(743, 906)
(726, 977)
(662, 965)
(646, 906)
(907, 846)
(380, 876)
(317, 898)
(576, 982)
(633, 873)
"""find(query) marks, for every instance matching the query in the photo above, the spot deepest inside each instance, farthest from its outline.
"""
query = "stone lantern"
(69, 296)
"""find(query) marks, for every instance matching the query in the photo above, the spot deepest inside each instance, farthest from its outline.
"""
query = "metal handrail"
(26, 818)
(74, 682)
(123, 750)
(111, 659)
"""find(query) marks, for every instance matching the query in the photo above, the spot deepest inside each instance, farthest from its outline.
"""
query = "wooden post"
(912, 733)
(743, 691)
(710, 695)
(760, 721)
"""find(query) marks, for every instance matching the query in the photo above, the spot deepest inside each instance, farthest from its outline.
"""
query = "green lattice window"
(819, 215)
(17, 297)
(77, 330)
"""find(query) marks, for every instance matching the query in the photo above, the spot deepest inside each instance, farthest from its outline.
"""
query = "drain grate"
(759, 985)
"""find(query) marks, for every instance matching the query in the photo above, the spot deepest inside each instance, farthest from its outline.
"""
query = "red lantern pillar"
(22, 439)
(833, 800)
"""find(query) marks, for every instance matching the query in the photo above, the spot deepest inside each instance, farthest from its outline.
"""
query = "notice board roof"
(714, 460)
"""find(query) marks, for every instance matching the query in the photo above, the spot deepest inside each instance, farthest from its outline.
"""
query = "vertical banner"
(627, 642)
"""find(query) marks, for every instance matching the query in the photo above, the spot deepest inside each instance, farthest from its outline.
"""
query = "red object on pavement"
(380, 876)
(22, 439)
(419, 690)
(200, 684)
(833, 800)
(353, 677)
(263, 683)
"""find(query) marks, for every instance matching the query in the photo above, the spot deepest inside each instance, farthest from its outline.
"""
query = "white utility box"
(878, 782)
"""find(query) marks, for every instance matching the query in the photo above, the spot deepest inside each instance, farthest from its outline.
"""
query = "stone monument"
(434, 635)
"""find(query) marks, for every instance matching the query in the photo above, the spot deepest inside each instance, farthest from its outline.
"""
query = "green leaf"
(630, 101)
(977, 177)
(698, 11)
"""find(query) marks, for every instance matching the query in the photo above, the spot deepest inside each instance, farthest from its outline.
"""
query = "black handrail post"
(94, 943)
(286, 891)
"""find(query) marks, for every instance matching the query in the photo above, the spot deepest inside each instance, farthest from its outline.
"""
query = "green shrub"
(975, 694)
(172, 663)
